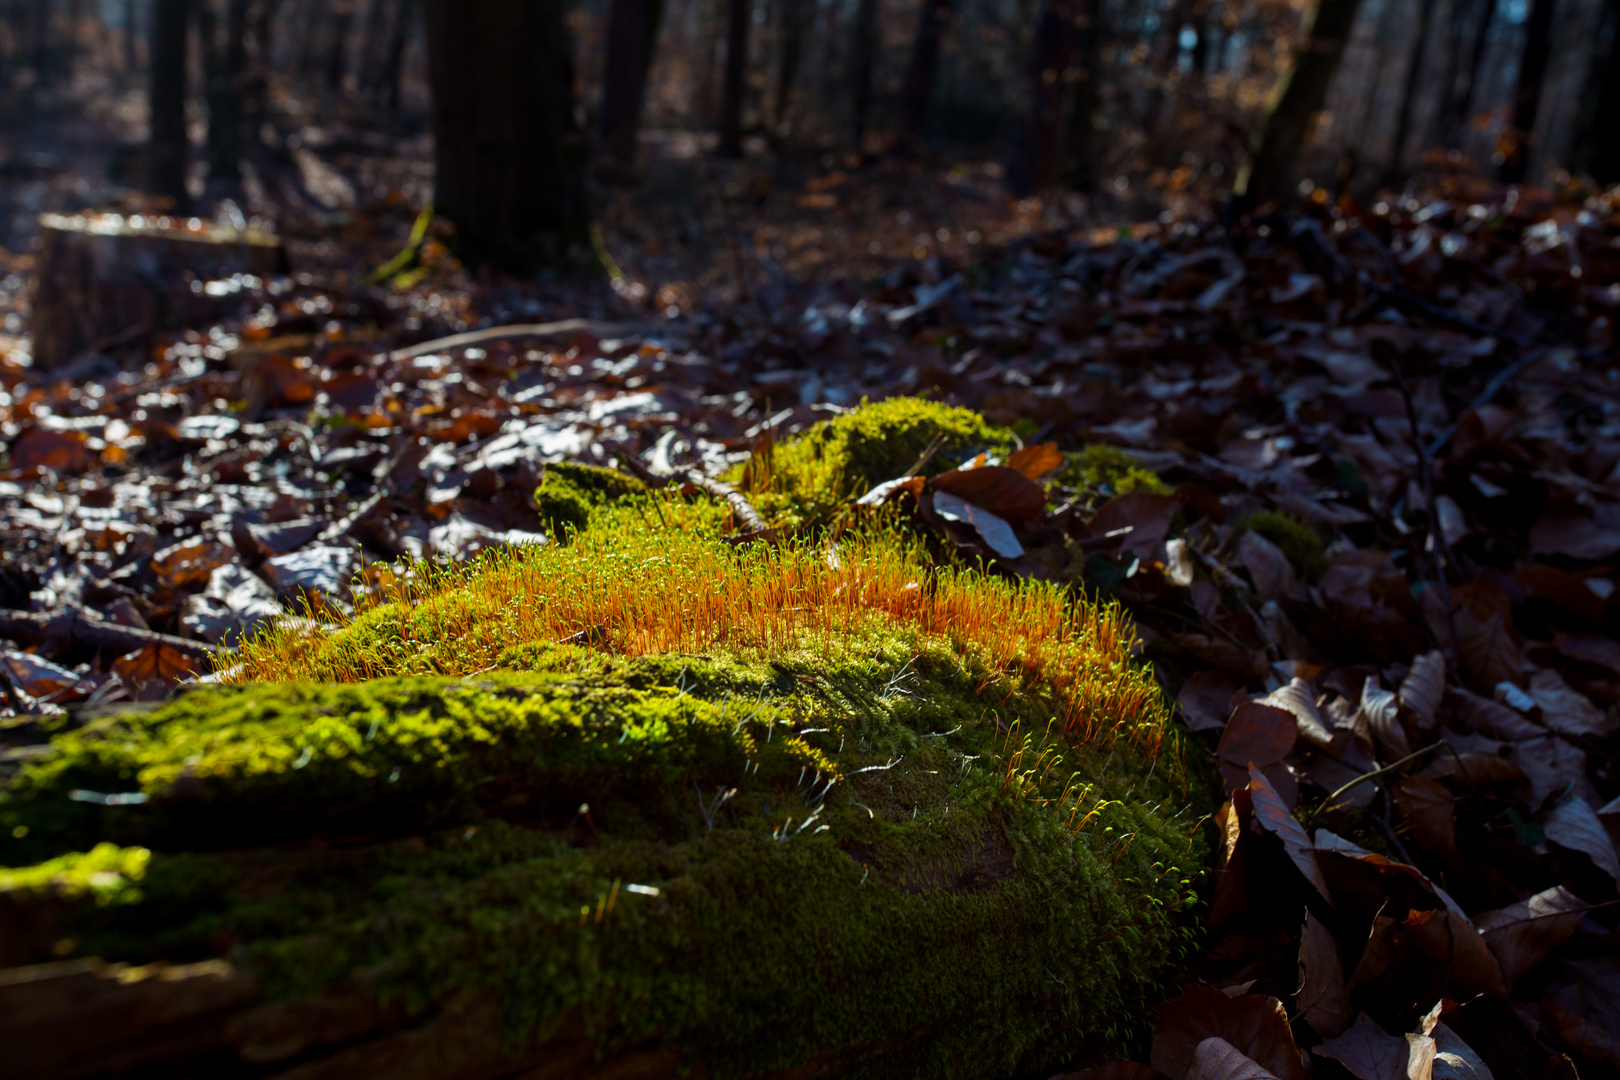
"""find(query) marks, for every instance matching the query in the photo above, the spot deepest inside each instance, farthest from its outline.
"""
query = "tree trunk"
(923, 69)
(508, 158)
(372, 34)
(1035, 161)
(731, 92)
(166, 154)
(1082, 161)
(1200, 25)
(394, 63)
(1414, 69)
(225, 61)
(632, 35)
(1295, 103)
(1527, 95)
(337, 59)
(1600, 147)
(256, 84)
(131, 62)
(862, 64)
(1462, 103)
(790, 49)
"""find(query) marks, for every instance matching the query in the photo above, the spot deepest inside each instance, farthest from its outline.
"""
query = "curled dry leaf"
(1430, 811)
(1217, 1059)
(1205, 700)
(1296, 698)
(1368, 1052)
(1455, 1059)
(1323, 1000)
(1424, 687)
(1522, 935)
(1273, 816)
(1255, 1024)
(1178, 563)
(1573, 824)
(1380, 710)
(1036, 461)
(997, 534)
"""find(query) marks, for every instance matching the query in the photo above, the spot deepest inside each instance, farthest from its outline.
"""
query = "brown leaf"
(1002, 491)
(1491, 652)
(1255, 1024)
(190, 563)
(1147, 516)
(1036, 461)
(1232, 862)
(1451, 942)
(1473, 767)
(1120, 1070)
(1565, 710)
(1268, 567)
(1590, 649)
(1573, 824)
(1323, 1000)
(155, 663)
(1455, 1059)
(41, 448)
(1550, 766)
(1217, 1059)
(1273, 816)
(1257, 734)
(1367, 1052)
(1205, 700)
(1380, 953)
(1296, 698)
(1380, 709)
(1242, 664)
(278, 381)
(1430, 812)
(1589, 538)
(1424, 687)
(1564, 589)
(1524, 934)
(1585, 1040)
(1494, 719)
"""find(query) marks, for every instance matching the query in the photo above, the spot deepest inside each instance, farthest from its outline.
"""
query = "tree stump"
(107, 279)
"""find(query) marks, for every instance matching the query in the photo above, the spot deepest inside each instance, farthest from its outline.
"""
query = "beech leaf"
(1367, 1052)
(1522, 935)
(1323, 1000)
(1274, 817)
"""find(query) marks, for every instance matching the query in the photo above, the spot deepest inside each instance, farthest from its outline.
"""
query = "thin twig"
(1437, 535)
(519, 331)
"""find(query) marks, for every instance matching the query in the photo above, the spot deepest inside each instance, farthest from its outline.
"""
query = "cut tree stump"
(107, 279)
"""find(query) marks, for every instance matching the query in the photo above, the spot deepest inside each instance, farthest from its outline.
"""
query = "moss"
(910, 857)
(1295, 539)
(106, 873)
(841, 459)
(570, 491)
(1109, 471)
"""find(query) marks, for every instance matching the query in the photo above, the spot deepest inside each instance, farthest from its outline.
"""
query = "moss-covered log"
(829, 823)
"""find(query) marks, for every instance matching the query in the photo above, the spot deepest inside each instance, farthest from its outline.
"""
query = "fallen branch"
(80, 629)
(739, 502)
(519, 331)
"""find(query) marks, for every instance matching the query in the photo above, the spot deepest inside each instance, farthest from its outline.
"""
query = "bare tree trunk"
(632, 35)
(313, 10)
(131, 62)
(1527, 95)
(225, 59)
(1599, 151)
(789, 49)
(1200, 52)
(368, 59)
(923, 69)
(509, 160)
(731, 93)
(256, 76)
(1035, 161)
(166, 154)
(337, 59)
(394, 64)
(863, 61)
(1082, 159)
(1462, 103)
(1414, 69)
(1296, 102)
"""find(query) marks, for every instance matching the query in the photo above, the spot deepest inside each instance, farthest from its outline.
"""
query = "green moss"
(1109, 471)
(1293, 538)
(569, 492)
(841, 459)
(909, 858)
(106, 873)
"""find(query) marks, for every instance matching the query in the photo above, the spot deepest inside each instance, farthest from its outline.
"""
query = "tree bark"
(508, 157)
(1462, 103)
(731, 92)
(863, 61)
(1599, 151)
(166, 153)
(394, 63)
(337, 59)
(632, 35)
(130, 60)
(923, 70)
(790, 17)
(1035, 161)
(1527, 95)
(1082, 161)
(1296, 103)
(225, 61)
(1414, 70)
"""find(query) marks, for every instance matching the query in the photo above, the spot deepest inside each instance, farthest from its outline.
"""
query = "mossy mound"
(816, 807)
(841, 459)
(1106, 471)
(1295, 539)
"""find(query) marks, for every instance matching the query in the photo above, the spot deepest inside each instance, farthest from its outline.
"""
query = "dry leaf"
(1452, 943)
(1566, 711)
(1586, 1040)
(1367, 1052)
(1257, 734)
(1494, 719)
(1473, 767)
(1273, 816)
(155, 663)
(1147, 516)
(1424, 687)
(1420, 1053)
(1430, 812)
(1590, 649)
(1036, 461)
(1381, 710)
(1205, 700)
(1522, 935)
(42, 448)
(1256, 1025)
(1455, 1059)
(1232, 864)
(1296, 698)
(1002, 491)
(1120, 1070)
(1491, 652)
(1573, 824)
(1323, 1000)
(1268, 567)
(1217, 1059)
(994, 530)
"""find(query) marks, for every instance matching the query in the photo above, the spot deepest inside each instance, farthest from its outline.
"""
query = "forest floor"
(1382, 545)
